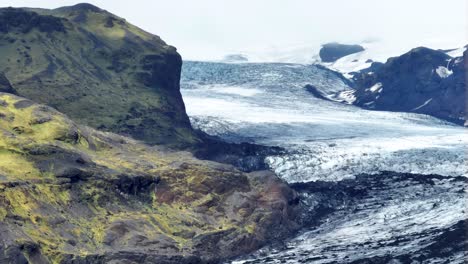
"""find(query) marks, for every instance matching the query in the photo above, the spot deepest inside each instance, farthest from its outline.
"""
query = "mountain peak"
(331, 52)
(83, 7)
(422, 49)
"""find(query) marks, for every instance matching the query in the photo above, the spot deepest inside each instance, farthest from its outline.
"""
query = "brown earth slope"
(71, 194)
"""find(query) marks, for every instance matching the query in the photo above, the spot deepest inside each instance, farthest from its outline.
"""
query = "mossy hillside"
(98, 69)
(71, 193)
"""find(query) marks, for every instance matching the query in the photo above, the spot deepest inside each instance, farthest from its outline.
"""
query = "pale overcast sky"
(209, 28)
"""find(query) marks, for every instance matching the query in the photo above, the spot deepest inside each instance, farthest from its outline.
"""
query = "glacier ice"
(324, 140)
(381, 217)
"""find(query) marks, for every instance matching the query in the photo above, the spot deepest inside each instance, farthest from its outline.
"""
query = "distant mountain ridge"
(331, 52)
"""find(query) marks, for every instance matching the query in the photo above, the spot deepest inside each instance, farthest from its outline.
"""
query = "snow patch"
(347, 96)
(421, 106)
(376, 88)
(443, 72)
(456, 52)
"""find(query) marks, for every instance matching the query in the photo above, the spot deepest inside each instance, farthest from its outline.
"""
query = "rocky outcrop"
(331, 52)
(98, 69)
(71, 194)
(315, 92)
(245, 156)
(422, 81)
(5, 85)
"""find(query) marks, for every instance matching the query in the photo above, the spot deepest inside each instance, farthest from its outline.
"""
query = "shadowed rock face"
(98, 69)
(20, 21)
(71, 194)
(421, 81)
(246, 157)
(5, 86)
(331, 52)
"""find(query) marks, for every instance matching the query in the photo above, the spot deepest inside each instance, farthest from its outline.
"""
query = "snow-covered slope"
(375, 51)
(379, 52)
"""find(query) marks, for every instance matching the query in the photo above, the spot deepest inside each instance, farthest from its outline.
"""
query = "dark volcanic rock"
(421, 81)
(331, 52)
(246, 157)
(22, 21)
(315, 92)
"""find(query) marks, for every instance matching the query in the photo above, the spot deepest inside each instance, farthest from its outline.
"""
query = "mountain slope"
(98, 69)
(421, 81)
(71, 194)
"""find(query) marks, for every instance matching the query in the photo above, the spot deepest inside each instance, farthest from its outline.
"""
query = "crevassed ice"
(324, 140)
(331, 141)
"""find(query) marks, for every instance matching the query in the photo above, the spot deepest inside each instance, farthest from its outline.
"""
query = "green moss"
(250, 228)
(3, 213)
(16, 166)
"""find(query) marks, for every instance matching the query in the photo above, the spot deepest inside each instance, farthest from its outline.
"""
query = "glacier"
(386, 211)
(267, 104)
